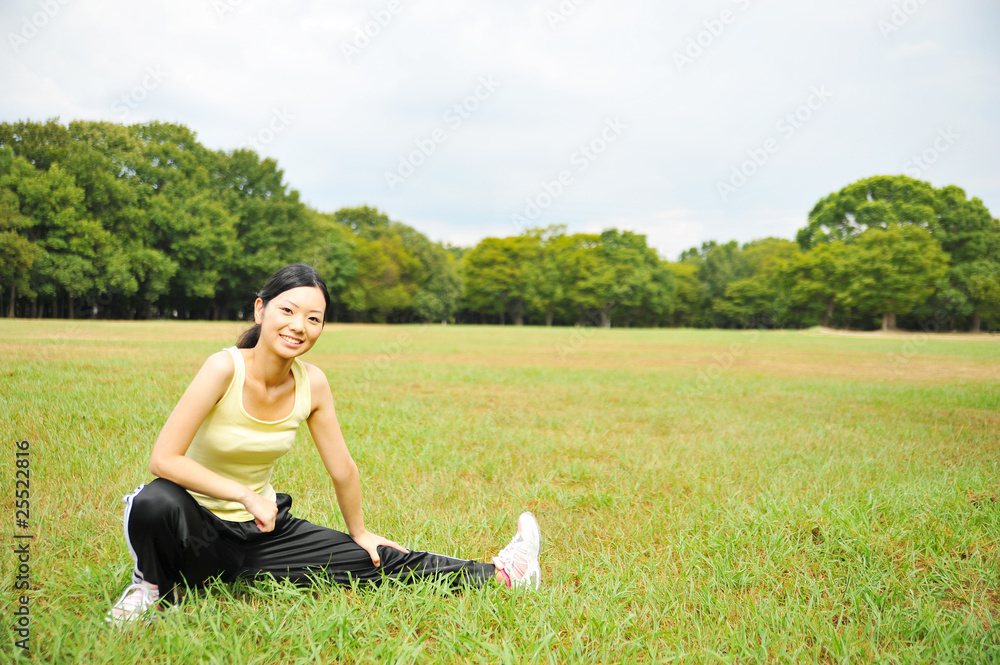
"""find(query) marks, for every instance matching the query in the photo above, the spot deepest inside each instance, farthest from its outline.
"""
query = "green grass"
(704, 496)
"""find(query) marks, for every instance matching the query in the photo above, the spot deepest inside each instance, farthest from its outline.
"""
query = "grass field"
(704, 496)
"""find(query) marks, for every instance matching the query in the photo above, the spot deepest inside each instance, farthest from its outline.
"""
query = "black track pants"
(175, 541)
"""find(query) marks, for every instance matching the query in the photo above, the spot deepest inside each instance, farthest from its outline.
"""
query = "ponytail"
(249, 338)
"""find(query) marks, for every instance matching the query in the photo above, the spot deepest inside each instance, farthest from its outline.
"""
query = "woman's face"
(292, 321)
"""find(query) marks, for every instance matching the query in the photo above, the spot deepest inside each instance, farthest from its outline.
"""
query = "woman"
(212, 512)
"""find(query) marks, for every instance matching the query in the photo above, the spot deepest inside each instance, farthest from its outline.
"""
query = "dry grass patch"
(796, 500)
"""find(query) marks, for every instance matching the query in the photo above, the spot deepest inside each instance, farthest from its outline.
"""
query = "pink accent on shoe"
(506, 576)
(134, 604)
(519, 560)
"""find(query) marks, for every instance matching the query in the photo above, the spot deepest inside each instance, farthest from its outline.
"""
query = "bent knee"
(157, 501)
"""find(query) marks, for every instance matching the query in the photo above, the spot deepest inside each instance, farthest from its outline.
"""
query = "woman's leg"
(174, 540)
(300, 551)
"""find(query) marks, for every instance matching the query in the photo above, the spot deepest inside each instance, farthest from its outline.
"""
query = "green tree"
(758, 300)
(563, 263)
(718, 266)
(691, 303)
(72, 254)
(967, 232)
(330, 250)
(871, 203)
(427, 271)
(96, 159)
(17, 253)
(892, 270)
(547, 285)
(981, 281)
(816, 281)
(964, 228)
(498, 275)
(381, 287)
(186, 221)
(439, 299)
(272, 226)
(41, 144)
(578, 259)
(198, 235)
(629, 279)
(439, 287)
(971, 238)
(364, 221)
(103, 159)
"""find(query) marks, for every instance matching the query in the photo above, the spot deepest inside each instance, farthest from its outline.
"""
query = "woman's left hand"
(370, 542)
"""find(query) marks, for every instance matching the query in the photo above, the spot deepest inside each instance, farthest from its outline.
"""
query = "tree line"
(103, 220)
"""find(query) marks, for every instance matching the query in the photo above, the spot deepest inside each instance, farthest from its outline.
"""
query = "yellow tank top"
(236, 445)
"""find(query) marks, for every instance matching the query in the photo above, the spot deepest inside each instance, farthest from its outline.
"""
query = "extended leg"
(299, 551)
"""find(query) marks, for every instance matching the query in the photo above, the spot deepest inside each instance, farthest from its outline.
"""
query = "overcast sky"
(686, 122)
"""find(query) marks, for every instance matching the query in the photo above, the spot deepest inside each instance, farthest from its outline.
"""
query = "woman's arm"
(340, 465)
(168, 460)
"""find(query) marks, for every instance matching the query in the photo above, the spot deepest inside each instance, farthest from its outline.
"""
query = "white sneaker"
(134, 604)
(519, 560)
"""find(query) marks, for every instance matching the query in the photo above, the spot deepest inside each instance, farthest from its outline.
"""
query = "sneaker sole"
(534, 577)
(533, 528)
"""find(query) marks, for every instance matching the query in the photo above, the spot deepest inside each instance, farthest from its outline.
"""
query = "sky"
(683, 121)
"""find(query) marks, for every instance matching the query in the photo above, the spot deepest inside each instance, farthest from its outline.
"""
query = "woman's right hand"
(264, 511)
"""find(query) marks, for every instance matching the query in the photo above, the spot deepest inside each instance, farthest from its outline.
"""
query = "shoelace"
(515, 557)
(137, 596)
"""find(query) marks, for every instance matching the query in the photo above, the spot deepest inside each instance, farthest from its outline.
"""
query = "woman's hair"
(289, 277)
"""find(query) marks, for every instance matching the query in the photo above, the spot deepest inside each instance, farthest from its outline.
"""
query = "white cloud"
(353, 119)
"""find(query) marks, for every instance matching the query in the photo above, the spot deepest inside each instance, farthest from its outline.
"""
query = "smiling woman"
(212, 511)
(299, 278)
